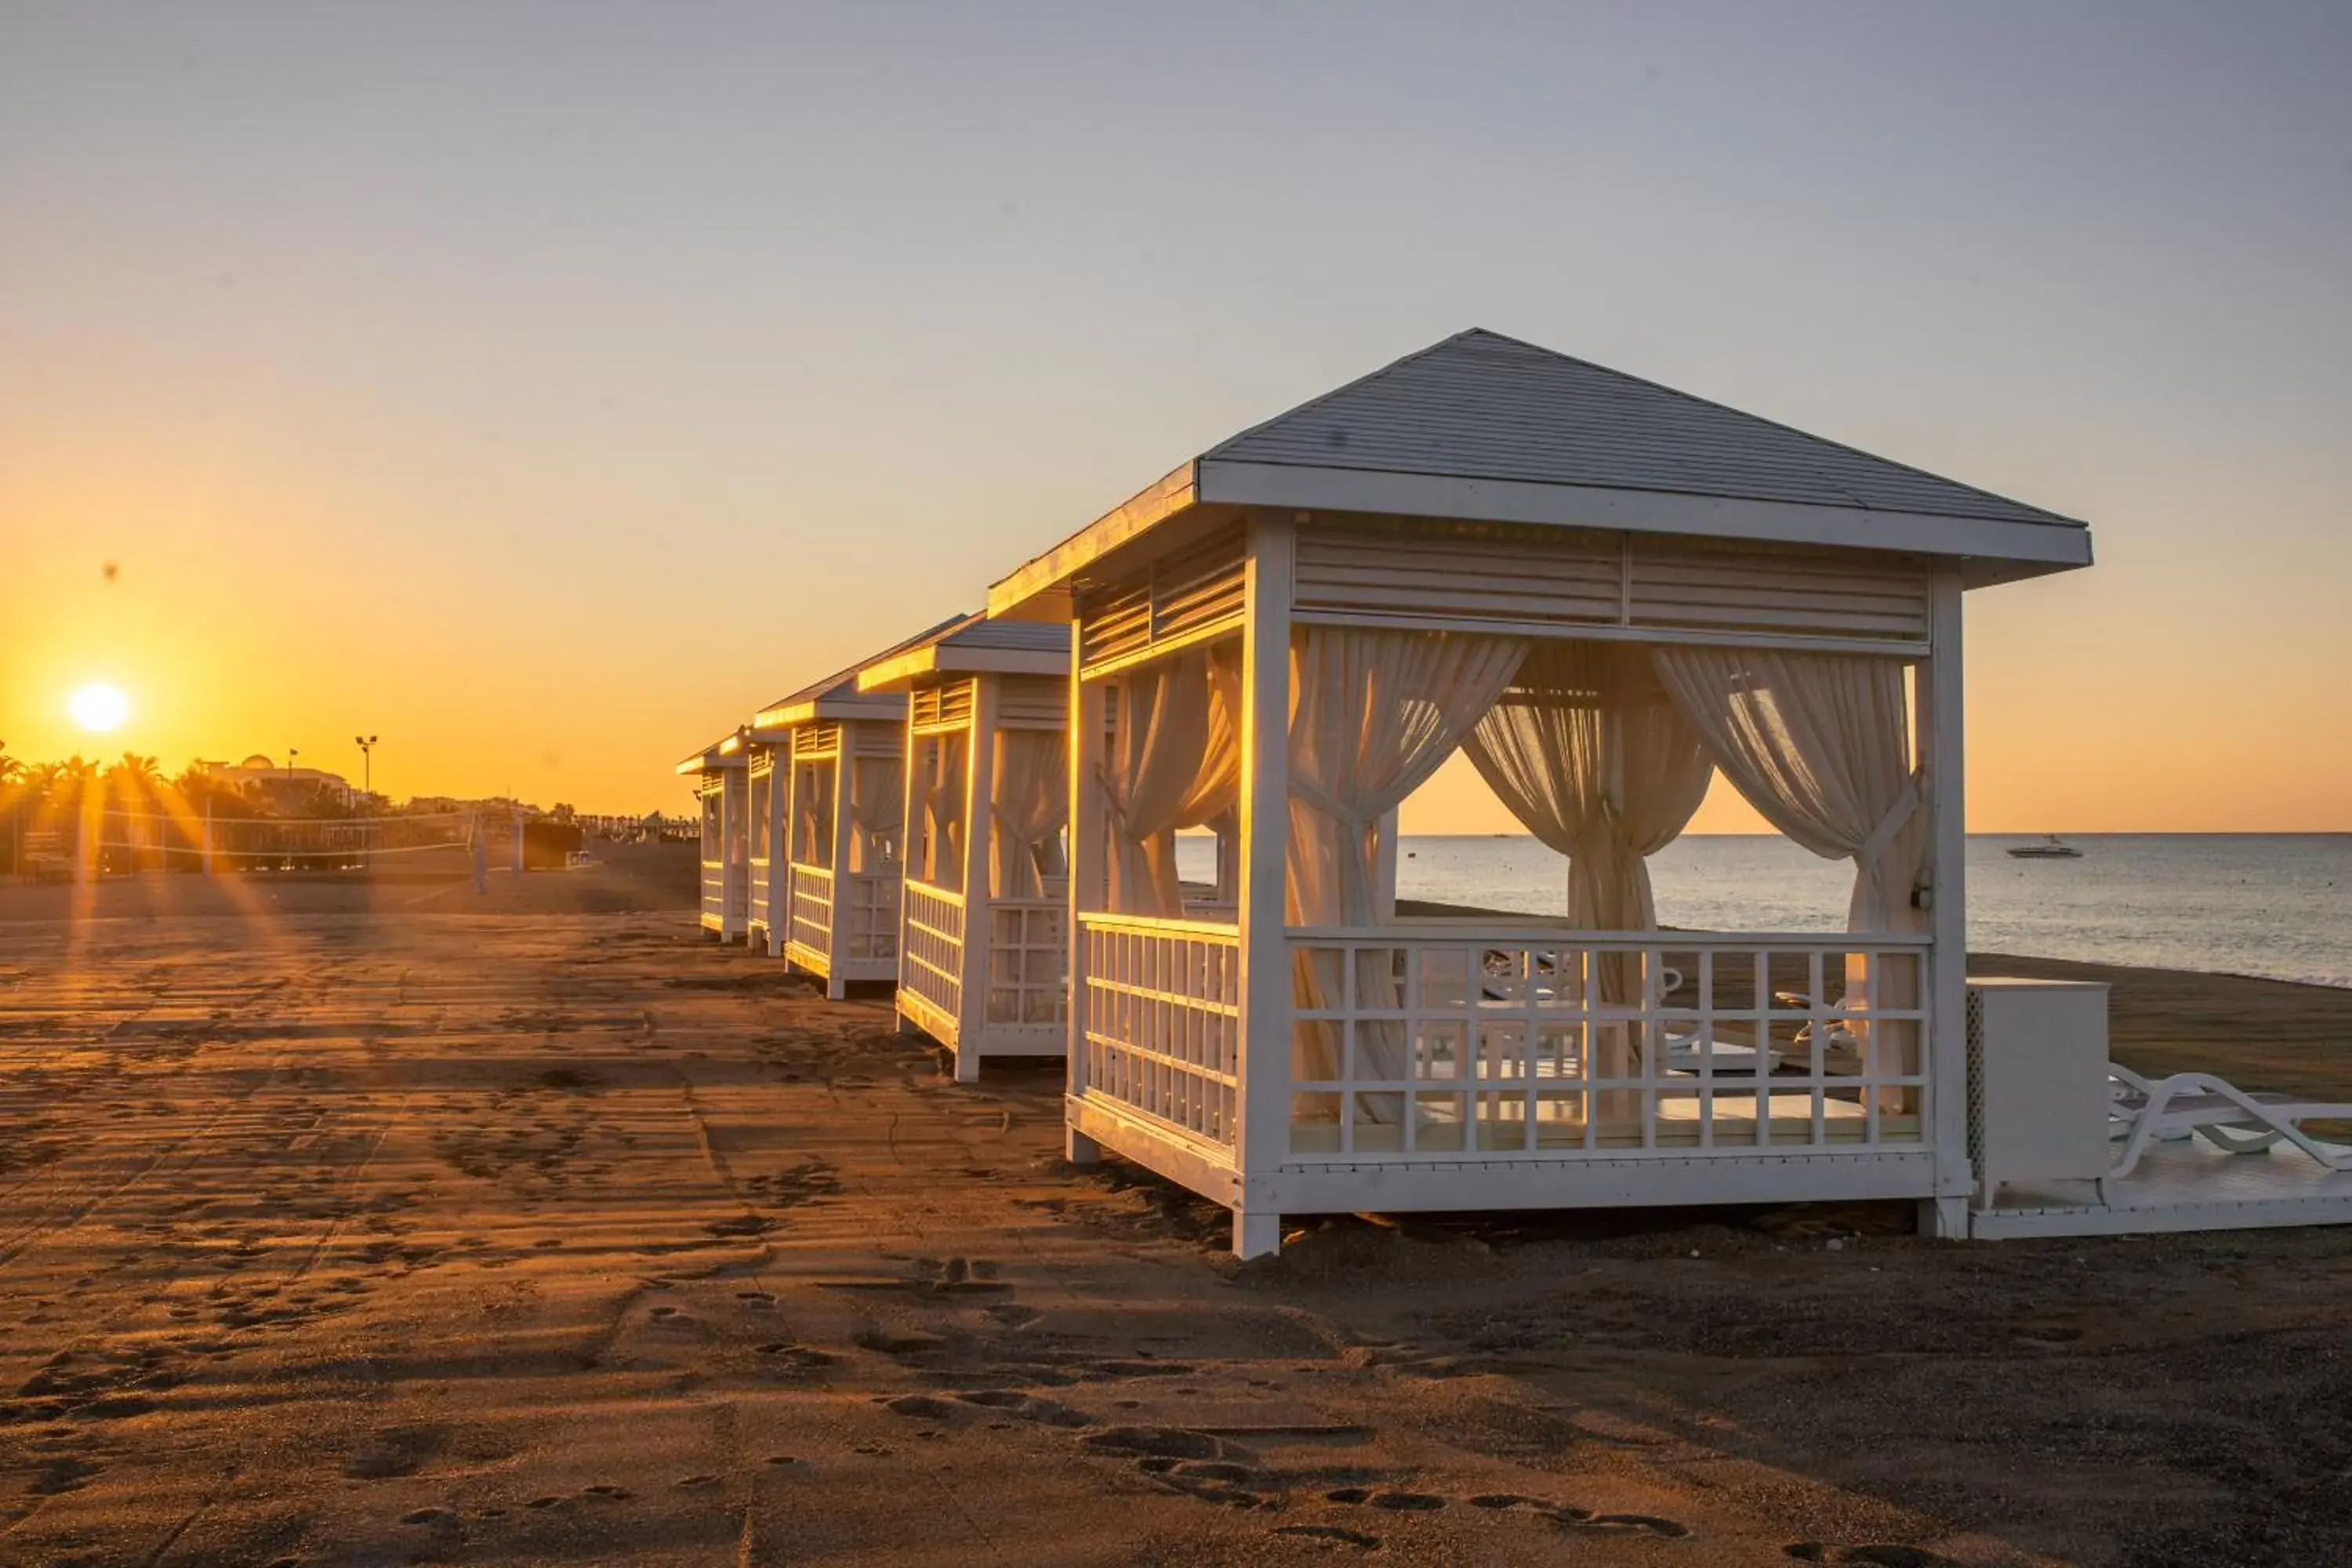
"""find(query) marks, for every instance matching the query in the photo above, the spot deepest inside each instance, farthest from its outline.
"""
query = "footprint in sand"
(1565, 1516)
(1331, 1532)
(1878, 1555)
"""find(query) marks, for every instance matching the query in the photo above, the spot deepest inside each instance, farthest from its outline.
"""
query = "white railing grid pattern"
(1163, 1022)
(933, 966)
(714, 886)
(1514, 1066)
(811, 909)
(760, 890)
(1028, 962)
(873, 909)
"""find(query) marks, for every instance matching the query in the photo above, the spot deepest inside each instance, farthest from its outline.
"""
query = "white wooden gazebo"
(720, 771)
(1605, 591)
(834, 883)
(982, 943)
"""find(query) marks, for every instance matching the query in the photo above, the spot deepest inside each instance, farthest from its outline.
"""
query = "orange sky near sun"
(544, 391)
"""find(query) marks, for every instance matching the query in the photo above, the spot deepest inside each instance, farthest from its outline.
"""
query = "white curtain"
(1589, 752)
(1174, 761)
(1819, 744)
(1028, 802)
(876, 800)
(939, 809)
(1372, 714)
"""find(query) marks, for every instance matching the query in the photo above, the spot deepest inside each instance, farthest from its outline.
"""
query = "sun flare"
(99, 708)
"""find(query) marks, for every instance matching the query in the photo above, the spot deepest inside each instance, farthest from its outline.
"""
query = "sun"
(99, 708)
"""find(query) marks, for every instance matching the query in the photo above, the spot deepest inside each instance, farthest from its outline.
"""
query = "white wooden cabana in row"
(825, 843)
(1605, 591)
(720, 771)
(982, 943)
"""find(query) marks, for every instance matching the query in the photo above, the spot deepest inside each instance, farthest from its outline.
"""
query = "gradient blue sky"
(545, 387)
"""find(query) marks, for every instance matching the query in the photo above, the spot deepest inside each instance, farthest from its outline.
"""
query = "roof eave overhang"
(837, 704)
(946, 659)
(1039, 590)
(1993, 549)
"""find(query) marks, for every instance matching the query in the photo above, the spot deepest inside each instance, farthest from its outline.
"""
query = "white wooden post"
(845, 778)
(515, 857)
(979, 770)
(1085, 880)
(1264, 1120)
(1944, 752)
(780, 858)
(909, 827)
(208, 836)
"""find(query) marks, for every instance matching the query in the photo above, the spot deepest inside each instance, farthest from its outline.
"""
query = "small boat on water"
(2051, 848)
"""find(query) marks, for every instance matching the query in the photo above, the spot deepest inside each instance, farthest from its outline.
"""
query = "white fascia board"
(1011, 598)
(947, 658)
(2038, 547)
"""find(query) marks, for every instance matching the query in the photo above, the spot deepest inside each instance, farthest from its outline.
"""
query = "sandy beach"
(515, 1237)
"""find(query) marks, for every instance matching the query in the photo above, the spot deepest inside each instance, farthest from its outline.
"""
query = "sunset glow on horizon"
(422, 382)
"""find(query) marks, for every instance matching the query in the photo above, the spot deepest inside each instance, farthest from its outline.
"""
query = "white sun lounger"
(2141, 1110)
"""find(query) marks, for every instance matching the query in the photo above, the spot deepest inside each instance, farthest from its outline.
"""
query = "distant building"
(284, 788)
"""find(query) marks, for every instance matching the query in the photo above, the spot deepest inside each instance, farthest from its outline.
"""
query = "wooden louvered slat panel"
(941, 705)
(1574, 577)
(1032, 702)
(1683, 583)
(874, 738)
(1183, 597)
(816, 740)
(1114, 622)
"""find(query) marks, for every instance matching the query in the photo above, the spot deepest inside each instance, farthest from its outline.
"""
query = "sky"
(545, 388)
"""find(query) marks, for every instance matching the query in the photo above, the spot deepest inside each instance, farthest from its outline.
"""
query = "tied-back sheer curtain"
(876, 799)
(1819, 744)
(1175, 761)
(941, 810)
(1028, 801)
(1589, 752)
(1372, 714)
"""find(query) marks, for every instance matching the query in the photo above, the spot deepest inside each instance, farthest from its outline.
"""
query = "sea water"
(2276, 905)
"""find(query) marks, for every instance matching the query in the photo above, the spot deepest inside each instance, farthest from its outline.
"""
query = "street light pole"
(366, 743)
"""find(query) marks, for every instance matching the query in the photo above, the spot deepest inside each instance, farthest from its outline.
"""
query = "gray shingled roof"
(1026, 637)
(1482, 406)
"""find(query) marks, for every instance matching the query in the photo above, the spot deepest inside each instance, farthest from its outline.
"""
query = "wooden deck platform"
(2179, 1186)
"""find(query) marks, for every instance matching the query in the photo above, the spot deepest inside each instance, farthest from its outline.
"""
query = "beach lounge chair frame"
(2144, 1110)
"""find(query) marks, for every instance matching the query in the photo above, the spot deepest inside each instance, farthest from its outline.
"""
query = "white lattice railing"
(1163, 1020)
(1028, 963)
(1447, 1038)
(932, 965)
(811, 909)
(759, 890)
(871, 906)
